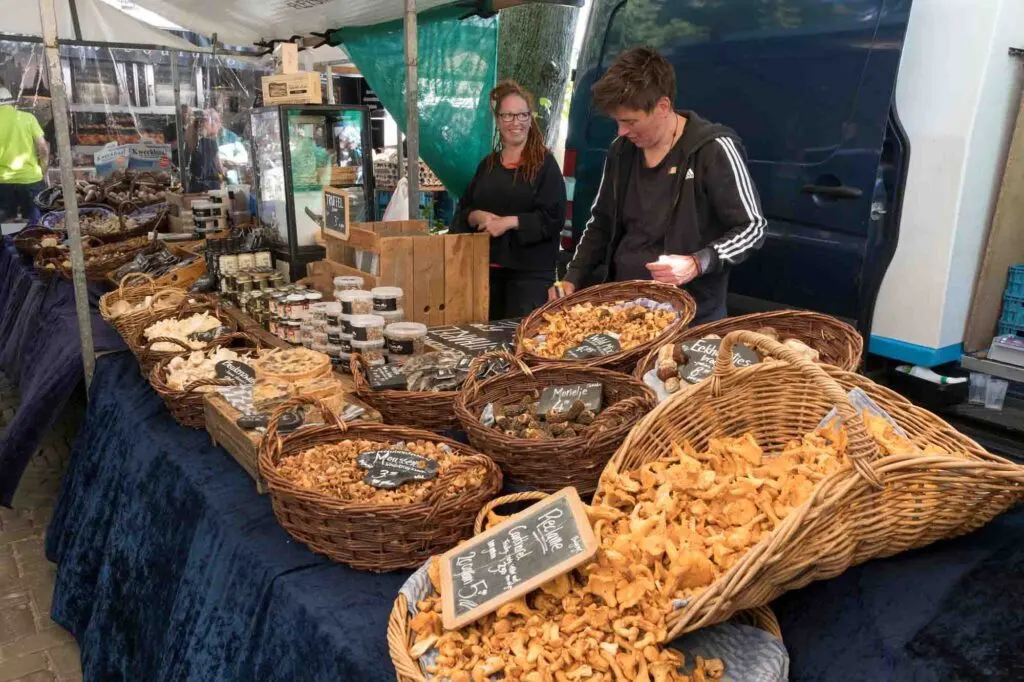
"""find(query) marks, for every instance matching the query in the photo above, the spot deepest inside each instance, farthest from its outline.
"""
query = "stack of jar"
(285, 312)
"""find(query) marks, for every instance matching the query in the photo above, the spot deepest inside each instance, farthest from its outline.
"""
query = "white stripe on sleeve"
(744, 186)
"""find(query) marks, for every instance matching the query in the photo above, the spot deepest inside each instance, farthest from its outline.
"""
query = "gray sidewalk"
(32, 647)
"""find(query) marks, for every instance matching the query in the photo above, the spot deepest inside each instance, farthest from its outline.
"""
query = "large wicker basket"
(186, 405)
(102, 259)
(838, 343)
(133, 289)
(550, 465)
(400, 637)
(623, 361)
(365, 536)
(428, 410)
(877, 507)
(143, 349)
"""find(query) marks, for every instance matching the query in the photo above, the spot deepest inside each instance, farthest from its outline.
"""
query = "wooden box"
(292, 88)
(244, 445)
(286, 58)
(446, 278)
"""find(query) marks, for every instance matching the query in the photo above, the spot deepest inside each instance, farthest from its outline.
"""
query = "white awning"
(242, 22)
(98, 21)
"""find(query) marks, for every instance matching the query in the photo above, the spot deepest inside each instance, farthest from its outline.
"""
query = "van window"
(784, 73)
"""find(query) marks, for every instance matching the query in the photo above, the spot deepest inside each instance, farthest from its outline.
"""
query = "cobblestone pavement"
(32, 647)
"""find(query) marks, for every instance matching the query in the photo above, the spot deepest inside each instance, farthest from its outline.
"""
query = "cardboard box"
(294, 88)
(113, 157)
(149, 156)
(179, 204)
(286, 58)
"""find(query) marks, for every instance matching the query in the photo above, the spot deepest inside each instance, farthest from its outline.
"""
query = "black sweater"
(540, 206)
(716, 216)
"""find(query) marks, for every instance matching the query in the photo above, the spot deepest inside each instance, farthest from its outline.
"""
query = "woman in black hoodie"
(517, 197)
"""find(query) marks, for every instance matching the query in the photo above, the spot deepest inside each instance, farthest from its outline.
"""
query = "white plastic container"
(367, 328)
(347, 283)
(372, 352)
(405, 340)
(387, 299)
(356, 302)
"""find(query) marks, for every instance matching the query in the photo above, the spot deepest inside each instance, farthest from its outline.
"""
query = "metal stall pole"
(59, 103)
(412, 109)
(179, 125)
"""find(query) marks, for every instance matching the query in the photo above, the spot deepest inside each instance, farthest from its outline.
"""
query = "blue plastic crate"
(1015, 282)
(1011, 329)
(1013, 311)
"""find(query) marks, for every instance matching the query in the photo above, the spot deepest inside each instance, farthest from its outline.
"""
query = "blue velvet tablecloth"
(40, 352)
(171, 567)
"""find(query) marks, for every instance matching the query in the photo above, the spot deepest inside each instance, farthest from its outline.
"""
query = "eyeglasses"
(521, 116)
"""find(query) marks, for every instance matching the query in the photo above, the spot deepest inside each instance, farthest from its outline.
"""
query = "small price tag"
(594, 346)
(561, 398)
(238, 372)
(386, 378)
(208, 335)
(388, 469)
(702, 355)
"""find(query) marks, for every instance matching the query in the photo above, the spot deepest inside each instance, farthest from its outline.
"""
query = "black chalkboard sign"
(386, 378)
(473, 339)
(702, 355)
(209, 334)
(594, 346)
(238, 372)
(515, 557)
(336, 212)
(389, 469)
(561, 398)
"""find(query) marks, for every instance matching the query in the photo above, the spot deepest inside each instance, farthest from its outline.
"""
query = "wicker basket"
(838, 343)
(143, 349)
(50, 255)
(428, 410)
(400, 637)
(550, 465)
(29, 241)
(623, 361)
(129, 324)
(186, 405)
(157, 222)
(367, 536)
(877, 507)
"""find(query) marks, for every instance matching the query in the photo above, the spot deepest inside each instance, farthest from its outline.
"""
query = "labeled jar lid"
(345, 282)
(296, 298)
(387, 298)
(314, 297)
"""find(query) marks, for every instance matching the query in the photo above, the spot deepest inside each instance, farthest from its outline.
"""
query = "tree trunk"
(535, 48)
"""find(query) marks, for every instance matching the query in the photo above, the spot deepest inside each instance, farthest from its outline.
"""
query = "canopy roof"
(242, 22)
(98, 21)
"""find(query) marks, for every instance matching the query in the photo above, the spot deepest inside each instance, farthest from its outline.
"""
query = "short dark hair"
(637, 80)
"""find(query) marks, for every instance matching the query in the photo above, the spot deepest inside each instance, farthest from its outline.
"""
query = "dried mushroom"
(634, 322)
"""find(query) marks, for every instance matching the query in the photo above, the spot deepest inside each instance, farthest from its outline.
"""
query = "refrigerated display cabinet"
(295, 148)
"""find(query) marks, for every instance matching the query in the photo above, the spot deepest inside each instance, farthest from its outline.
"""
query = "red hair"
(534, 151)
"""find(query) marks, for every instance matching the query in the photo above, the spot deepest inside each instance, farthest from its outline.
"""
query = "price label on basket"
(386, 378)
(238, 372)
(561, 398)
(702, 355)
(515, 557)
(594, 346)
(389, 469)
(208, 335)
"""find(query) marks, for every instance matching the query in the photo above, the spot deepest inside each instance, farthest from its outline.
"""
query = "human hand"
(675, 270)
(478, 218)
(499, 226)
(561, 290)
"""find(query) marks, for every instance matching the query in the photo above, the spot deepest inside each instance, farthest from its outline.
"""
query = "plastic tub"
(995, 393)
(392, 315)
(387, 299)
(405, 339)
(345, 323)
(367, 328)
(356, 302)
(370, 351)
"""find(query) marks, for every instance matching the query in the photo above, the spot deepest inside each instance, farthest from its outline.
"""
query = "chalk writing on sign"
(515, 557)
(388, 469)
(561, 398)
(702, 355)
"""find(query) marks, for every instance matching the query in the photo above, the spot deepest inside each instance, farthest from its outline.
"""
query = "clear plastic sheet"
(457, 69)
(125, 96)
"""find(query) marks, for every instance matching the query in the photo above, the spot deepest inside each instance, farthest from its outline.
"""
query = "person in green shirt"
(24, 156)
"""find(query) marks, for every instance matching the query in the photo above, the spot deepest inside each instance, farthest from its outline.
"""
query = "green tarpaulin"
(457, 67)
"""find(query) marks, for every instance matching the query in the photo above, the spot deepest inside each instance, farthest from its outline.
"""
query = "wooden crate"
(446, 278)
(244, 445)
(183, 277)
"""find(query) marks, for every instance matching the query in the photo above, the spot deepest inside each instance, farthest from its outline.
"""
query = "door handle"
(833, 191)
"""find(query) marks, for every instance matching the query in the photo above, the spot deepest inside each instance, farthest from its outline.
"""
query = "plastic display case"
(300, 149)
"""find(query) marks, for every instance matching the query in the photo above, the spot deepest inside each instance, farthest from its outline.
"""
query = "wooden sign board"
(336, 213)
(515, 557)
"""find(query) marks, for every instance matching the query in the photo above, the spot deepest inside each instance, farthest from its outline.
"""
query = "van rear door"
(808, 84)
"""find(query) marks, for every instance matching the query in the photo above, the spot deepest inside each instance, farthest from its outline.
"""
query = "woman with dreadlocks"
(517, 197)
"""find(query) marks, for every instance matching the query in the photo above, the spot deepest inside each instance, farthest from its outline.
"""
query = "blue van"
(808, 86)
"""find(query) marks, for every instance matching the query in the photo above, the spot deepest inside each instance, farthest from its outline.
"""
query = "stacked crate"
(1012, 321)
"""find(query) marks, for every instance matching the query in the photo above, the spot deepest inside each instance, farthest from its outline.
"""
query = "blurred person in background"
(202, 153)
(171, 133)
(518, 198)
(24, 158)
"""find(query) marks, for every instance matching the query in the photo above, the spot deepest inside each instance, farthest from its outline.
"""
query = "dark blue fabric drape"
(171, 567)
(40, 352)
